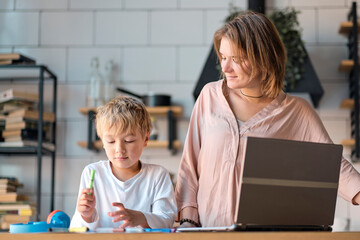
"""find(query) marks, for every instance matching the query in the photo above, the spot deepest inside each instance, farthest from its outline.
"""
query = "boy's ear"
(146, 138)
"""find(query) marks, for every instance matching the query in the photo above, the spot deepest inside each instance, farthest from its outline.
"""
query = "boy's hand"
(86, 204)
(131, 218)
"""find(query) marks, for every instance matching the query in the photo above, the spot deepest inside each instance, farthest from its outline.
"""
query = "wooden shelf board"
(345, 27)
(161, 110)
(347, 104)
(177, 110)
(97, 145)
(347, 65)
(86, 110)
(348, 142)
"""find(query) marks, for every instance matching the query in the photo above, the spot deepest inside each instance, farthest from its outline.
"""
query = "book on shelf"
(19, 138)
(17, 123)
(2, 121)
(14, 218)
(11, 181)
(25, 134)
(15, 58)
(21, 125)
(8, 197)
(7, 219)
(31, 114)
(11, 94)
(12, 105)
(20, 212)
(18, 119)
(28, 143)
(12, 197)
(5, 62)
(7, 188)
(11, 206)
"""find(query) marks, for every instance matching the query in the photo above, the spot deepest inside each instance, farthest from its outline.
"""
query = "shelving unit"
(43, 75)
(171, 112)
(351, 29)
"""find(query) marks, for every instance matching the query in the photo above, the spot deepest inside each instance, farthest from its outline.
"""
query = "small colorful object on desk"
(78, 229)
(56, 221)
(163, 230)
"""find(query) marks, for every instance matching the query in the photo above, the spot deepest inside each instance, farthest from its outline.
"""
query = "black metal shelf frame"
(44, 74)
(354, 81)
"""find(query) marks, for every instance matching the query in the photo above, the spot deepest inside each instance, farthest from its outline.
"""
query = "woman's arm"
(349, 182)
(187, 180)
(349, 179)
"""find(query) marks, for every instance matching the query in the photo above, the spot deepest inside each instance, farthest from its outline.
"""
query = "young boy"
(126, 192)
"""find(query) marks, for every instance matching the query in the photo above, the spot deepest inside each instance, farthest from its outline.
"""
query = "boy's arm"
(131, 218)
(164, 205)
(77, 220)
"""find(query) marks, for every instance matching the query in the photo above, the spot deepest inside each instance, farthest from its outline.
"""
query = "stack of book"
(15, 58)
(14, 208)
(20, 127)
(2, 126)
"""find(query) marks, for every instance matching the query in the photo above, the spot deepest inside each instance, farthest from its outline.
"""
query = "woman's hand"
(131, 218)
(187, 225)
(86, 204)
(356, 199)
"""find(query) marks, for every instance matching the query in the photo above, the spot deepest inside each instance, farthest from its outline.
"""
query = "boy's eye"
(110, 141)
(129, 141)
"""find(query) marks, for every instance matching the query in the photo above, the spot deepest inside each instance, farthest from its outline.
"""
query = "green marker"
(91, 180)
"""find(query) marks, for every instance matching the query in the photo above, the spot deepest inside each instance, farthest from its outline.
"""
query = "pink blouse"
(208, 177)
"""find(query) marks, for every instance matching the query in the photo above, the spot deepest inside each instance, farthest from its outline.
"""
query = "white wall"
(157, 45)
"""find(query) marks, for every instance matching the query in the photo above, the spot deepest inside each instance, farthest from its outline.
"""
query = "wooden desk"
(186, 236)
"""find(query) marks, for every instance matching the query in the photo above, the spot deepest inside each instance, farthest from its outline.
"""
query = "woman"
(249, 101)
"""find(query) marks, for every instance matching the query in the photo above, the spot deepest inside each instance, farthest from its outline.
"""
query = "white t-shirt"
(150, 191)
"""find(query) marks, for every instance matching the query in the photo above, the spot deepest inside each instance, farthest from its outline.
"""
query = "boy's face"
(124, 149)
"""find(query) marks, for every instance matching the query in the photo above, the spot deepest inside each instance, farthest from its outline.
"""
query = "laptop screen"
(285, 182)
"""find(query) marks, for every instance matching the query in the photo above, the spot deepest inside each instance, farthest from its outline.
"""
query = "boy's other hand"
(86, 204)
(130, 217)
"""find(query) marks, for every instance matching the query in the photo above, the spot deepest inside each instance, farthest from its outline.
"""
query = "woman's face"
(237, 70)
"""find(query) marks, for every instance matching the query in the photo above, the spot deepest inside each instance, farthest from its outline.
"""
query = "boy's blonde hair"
(255, 37)
(123, 114)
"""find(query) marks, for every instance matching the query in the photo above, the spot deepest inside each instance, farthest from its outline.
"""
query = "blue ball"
(59, 219)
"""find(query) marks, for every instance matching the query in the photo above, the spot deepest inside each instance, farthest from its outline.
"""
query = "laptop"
(285, 185)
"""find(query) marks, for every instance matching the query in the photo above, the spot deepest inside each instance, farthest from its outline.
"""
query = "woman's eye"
(236, 60)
